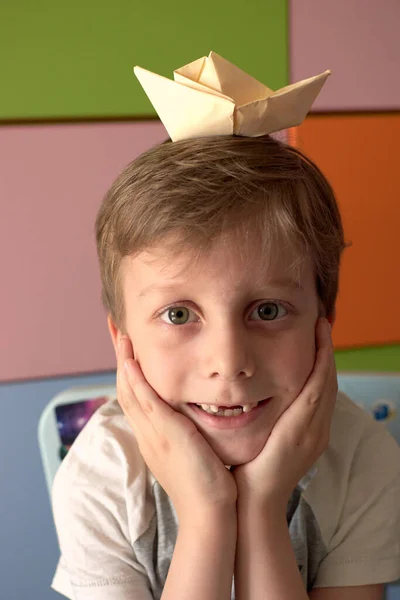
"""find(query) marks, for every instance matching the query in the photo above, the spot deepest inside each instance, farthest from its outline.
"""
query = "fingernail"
(327, 327)
(128, 369)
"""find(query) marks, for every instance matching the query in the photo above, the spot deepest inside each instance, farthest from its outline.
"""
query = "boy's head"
(244, 237)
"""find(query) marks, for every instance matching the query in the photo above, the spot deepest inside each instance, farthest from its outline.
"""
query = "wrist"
(254, 507)
(203, 560)
(205, 517)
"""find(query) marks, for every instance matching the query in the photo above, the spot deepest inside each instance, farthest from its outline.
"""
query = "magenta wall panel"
(358, 40)
(52, 180)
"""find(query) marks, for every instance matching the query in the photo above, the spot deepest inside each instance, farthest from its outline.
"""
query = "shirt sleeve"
(365, 548)
(90, 514)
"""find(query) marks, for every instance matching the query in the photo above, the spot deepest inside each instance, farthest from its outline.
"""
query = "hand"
(298, 438)
(176, 453)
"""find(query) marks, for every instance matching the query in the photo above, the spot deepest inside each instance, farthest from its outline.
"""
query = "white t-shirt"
(117, 527)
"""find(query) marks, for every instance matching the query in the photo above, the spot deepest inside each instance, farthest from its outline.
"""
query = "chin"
(238, 452)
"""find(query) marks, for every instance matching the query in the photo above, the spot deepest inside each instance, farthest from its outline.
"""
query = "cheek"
(292, 362)
(164, 368)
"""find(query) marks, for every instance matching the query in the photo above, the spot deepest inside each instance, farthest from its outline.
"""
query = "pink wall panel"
(52, 180)
(358, 40)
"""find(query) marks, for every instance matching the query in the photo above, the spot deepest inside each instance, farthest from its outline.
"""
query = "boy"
(229, 452)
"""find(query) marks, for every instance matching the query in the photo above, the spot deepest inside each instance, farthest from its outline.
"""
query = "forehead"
(226, 263)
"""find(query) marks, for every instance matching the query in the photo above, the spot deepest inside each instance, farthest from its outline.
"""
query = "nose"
(227, 354)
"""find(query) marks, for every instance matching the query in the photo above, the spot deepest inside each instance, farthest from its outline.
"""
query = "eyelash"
(183, 305)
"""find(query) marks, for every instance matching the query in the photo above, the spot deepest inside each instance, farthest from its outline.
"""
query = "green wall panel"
(383, 359)
(74, 59)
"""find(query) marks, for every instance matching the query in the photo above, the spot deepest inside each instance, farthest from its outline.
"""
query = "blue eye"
(268, 311)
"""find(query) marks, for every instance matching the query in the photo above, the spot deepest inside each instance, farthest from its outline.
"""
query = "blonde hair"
(201, 190)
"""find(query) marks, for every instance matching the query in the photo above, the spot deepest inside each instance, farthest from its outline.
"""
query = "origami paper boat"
(211, 96)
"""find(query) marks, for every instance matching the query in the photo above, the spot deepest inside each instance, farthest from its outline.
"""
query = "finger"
(328, 392)
(328, 374)
(125, 395)
(324, 365)
(326, 407)
(168, 422)
(142, 391)
(311, 411)
(312, 396)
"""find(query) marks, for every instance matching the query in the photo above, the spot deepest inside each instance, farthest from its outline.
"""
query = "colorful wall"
(72, 114)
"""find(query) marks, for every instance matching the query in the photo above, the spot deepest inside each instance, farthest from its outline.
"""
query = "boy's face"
(238, 334)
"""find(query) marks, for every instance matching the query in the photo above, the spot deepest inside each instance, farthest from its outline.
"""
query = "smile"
(221, 417)
(233, 411)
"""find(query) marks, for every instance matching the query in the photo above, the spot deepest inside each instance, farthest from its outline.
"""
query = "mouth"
(227, 411)
(224, 417)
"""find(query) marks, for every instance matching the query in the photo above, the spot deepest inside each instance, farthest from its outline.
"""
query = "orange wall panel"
(359, 154)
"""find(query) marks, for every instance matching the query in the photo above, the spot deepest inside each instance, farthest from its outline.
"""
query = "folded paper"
(211, 96)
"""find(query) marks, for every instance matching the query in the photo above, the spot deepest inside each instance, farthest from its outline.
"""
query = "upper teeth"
(228, 412)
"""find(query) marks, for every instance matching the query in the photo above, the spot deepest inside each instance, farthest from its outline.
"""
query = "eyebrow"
(277, 283)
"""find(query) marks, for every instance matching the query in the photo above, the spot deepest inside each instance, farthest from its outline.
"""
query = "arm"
(203, 560)
(201, 489)
(265, 565)
(265, 561)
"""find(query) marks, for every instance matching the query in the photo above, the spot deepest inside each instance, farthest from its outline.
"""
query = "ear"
(115, 333)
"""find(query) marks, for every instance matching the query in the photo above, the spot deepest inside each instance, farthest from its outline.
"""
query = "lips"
(228, 410)
(216, 421)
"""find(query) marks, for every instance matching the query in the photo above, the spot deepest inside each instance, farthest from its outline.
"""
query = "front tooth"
(204, 406)
(247, 407)
(214, 409)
